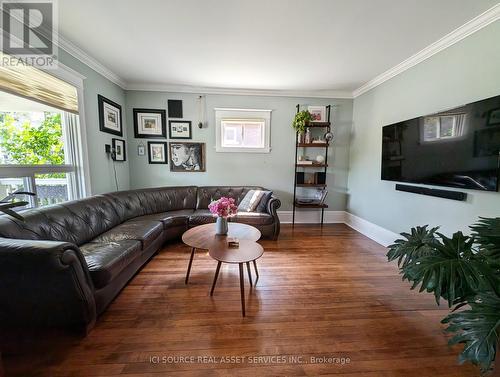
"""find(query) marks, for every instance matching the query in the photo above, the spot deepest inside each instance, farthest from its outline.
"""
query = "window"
(38, 151)
(243, 130)
(443, 127)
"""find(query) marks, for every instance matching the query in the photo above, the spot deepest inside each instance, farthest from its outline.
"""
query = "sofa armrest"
(272, 207)
(44, 283)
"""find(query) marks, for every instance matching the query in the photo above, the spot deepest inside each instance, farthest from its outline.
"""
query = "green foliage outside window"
(30, 144)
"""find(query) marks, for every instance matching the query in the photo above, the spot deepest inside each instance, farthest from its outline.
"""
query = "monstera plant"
(464, 271)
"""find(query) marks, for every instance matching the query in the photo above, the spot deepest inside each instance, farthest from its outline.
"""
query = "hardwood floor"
(323, 293)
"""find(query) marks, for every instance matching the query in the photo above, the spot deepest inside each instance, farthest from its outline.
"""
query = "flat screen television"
(455, 148)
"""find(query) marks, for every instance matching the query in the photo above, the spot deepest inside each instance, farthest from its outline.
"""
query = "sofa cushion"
(252, 218)
(134, 203)
(77, 221)
(200, 217)
(170, 218)
(208, 194)
(146, 231)
(106, 260)
(262, 207)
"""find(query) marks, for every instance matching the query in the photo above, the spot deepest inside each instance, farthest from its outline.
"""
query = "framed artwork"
(110, 116)
(157, 152)
(179, 129)
(494, 117)
(149, 123)
(118, 146)
(174, 108)
(318, 113)
(187, 157)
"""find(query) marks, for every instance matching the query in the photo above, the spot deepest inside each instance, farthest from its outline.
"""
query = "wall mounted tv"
(455, 148)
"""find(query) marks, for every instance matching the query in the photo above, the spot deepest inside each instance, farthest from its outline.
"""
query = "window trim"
(81, 186)
(244, 114)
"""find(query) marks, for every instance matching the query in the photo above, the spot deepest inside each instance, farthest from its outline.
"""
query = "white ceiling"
(293, 45)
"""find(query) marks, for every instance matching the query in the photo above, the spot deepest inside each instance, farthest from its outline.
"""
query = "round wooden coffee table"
(202, 236)
(248, 251)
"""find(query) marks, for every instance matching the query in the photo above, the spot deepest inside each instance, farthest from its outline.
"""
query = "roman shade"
(37, 85)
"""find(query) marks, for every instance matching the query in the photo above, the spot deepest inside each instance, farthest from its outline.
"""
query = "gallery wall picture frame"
(180, 129)
(157, 152)
(110, 116)
(174, 108)
(150, 123)
(118, 146)
(187, 157)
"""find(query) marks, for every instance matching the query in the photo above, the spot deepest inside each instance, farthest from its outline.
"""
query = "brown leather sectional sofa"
(65, 263)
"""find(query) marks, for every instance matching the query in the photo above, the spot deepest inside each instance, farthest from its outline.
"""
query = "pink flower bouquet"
(224, 207)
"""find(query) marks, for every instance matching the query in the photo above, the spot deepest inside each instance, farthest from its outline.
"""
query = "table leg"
(189, 265)
(249, 274)
(242, 289)
(256, 271)
(215, 278)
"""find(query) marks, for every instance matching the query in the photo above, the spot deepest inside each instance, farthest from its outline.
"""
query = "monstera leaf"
(416, 244)
(487, 235)
(478, 329)
(452, 272)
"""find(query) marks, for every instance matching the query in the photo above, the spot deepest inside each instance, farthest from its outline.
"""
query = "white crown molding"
(239, 92)
(472, 26)
(85, 58)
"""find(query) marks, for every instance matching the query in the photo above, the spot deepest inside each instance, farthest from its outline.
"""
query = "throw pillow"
(262, 207)
(250, 201)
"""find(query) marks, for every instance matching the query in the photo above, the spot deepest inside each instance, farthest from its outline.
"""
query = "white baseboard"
(311, 217)
(378, 234)
(375, 232)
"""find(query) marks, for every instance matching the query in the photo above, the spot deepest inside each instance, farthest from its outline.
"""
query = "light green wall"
(272, 170)
(466, 72)
(101, 168)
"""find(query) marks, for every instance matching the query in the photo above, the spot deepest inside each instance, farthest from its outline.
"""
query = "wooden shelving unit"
(322, 166)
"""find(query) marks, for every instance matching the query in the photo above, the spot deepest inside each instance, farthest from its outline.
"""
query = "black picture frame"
(105, 107)
(190, 129)
(115, 143)
(165, 152)
(174, 108)
(189, 157)
(143, 135)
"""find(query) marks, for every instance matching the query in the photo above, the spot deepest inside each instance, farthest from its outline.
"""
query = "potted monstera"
(464, 271)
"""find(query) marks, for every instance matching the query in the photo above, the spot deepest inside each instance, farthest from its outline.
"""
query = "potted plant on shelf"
(300, 123)
(464, 271)
(222, 209)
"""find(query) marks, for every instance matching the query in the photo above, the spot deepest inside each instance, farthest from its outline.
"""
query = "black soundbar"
(454, 195)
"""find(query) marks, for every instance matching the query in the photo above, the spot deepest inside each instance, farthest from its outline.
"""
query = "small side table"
(248, 251)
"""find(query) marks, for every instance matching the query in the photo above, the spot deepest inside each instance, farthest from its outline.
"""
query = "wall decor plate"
(149, 123)
(110, 116)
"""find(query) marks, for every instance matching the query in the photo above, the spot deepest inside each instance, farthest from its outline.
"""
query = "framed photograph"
(179, 129)
(157, 152)
(318, 113)
(149, 123)
(187, 157)
(494, 117)
(119, 147)
(110, 116)
(174, 108)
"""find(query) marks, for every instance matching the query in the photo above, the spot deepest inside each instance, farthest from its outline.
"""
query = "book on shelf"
(305, 162)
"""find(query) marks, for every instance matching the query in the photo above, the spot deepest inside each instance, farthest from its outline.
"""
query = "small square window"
(250, 133)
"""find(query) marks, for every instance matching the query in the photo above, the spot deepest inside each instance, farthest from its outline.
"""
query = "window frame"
(248, 115)
(78, 171)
